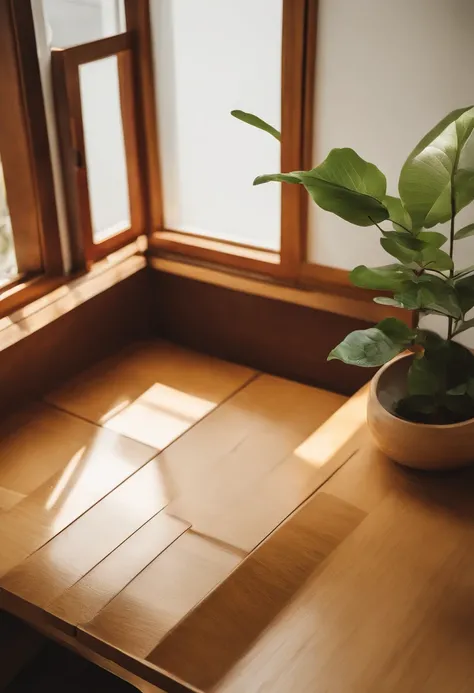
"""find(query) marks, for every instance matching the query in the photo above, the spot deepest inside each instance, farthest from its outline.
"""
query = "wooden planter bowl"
(420, 446)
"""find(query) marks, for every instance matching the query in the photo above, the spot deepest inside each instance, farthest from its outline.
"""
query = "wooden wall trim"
(343, 300)
(274, 336)
(81, 335)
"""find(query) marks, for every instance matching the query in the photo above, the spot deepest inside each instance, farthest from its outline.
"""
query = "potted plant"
(421, 402)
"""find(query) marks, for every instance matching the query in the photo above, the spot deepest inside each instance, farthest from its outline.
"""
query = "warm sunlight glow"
(324, 443)
(92, 473)
(64, 479)
(160, 415)
(116, 409)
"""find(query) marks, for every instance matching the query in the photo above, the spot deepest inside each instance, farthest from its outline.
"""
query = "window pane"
(71, 22)
(105, 147)
(213, 56)
(8, 267)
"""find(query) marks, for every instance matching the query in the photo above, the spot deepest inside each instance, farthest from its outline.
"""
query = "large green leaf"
(386, 278)
(257, 122)
(343, 184)
(346, 168)
(357, 208)
(375, 346)
(444, 156)
(464, 232)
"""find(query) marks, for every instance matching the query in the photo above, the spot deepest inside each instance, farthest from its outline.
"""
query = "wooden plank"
(85, 599)
(158, 598)
(49, 572)
(152, 392)
(387, 613)
(241, 442)
(208, 642)
(63, 466)
(241, 506)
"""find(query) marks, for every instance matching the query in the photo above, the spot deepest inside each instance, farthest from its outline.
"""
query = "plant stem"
(451, 247)
(400, 225)
(377, 225)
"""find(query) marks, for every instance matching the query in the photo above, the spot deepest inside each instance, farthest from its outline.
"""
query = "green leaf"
(463, 326)
(425, 378)
(387, 301)
(465, 232)
(439, 159)
(357, 208)
(278, 178)
(434, 258)
(398, 214)
(256, 122)
(386, 278)
(429, 293)
(409, 249)
(465, 291)
(375, 346)
(432, 238)
(346, 168)
(393, 247)
(343, 184)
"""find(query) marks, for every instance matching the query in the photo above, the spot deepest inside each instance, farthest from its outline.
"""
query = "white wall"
(387, 71)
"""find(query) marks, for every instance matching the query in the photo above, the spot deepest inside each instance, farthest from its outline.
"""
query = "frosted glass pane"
(105, 147)
(213, 56)
(8, 267)
(72, 22)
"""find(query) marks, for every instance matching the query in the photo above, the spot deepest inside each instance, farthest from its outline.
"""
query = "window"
(29, 239)
(96, 109)
(213, 56)
(73, 22)
(8, 267)
(257, 61)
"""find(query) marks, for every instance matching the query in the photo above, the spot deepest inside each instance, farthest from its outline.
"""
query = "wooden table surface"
(209, 528)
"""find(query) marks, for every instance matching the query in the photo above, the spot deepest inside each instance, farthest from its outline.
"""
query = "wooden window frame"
(24, 146)
(66, 65)
(298, 58)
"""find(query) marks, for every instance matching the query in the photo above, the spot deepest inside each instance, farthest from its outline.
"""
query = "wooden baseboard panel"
(278, 337)
(76, 339)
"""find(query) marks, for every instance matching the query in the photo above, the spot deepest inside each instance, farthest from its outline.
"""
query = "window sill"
(339, 298)
(60, 296)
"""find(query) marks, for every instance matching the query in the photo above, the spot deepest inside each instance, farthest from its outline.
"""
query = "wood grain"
(68, 557)
(390, 612)
(85, 599)
(152, 392)
(275, 336)
(70, 334)
(63, 466)
(252, 490)
(208, 642)
(159, 597)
